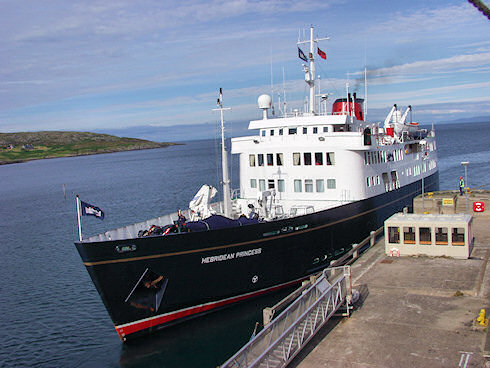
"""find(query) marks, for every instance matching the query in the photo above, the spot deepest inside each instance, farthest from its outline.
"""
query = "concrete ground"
(413, 312)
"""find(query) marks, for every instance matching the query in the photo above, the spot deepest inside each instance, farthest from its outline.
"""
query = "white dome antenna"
(265, 103)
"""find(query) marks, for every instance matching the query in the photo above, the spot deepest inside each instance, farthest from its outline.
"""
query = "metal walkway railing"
(279, 342)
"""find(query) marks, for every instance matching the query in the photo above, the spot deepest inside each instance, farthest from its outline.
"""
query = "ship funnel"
(265, 103)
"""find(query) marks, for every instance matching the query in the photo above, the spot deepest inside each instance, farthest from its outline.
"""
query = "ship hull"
(199, 272)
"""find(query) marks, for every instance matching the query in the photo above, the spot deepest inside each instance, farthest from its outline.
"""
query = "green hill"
(25, 146)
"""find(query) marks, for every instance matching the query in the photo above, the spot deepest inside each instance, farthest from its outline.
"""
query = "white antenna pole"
(224, 159)
(79, 220)
(272, 86)
(284, 91)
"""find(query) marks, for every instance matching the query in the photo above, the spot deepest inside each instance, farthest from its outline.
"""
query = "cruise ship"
(312, 183)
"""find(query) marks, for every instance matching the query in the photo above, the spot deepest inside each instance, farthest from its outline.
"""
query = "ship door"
(367, 136)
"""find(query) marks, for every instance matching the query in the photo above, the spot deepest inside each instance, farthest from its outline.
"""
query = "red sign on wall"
(479, 206)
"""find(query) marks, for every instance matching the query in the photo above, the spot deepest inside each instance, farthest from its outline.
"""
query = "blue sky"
(91, 65)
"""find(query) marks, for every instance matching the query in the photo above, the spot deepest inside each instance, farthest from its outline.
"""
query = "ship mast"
(310, 70)
(224, 159)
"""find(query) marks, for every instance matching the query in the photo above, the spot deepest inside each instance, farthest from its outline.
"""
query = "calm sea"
(50, 312)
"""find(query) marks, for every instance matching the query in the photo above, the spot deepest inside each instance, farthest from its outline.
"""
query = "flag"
(90, 210)
(301, 55)
(322, 54)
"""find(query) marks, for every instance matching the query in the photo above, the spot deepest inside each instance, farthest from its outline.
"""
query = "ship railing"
(281, 340)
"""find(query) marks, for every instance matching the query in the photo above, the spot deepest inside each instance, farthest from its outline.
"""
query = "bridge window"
(272, 132)
(261, 159)
(279, 159)
(293, 131)
(331, 184)
(315, 130)
(330, 158)
(305, 130)
(261, 185)
(270, 184)
(253, 183)
(270, 159)
(318, 158)
(281, 131)
(308, 185)
(325, 129)
(280, 185)
(296, 158)
(307, 158)
(251, 160)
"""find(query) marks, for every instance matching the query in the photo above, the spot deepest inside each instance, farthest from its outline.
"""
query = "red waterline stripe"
(132, 327)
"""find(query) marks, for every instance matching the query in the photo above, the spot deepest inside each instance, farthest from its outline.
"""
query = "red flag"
(322, 54)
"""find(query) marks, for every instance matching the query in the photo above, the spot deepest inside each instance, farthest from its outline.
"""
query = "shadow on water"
(207, 341)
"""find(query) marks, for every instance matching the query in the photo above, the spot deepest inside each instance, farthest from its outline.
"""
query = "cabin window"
(320, 185)
(280, 185)
(261, 159)
(281, 131)
(262, 133)
(308, 185)
(272, 132)
(270, 184)
(330, 158)
(325, 129)
(409, 235)
(296, 158)
(270, 159)
(425, 235)
(279, 159)
(307, 158)
(441, 236)
(458, 236)
(318, 158)
(293, 131)
(331, 184)
(305, 130)
(394, 234)
(297, 185)
(251, 160)
(253, 183)
(261, 185)
(315, 130)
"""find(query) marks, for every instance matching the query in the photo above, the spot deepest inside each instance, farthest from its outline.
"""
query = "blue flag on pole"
(301, 55)
(90, 210)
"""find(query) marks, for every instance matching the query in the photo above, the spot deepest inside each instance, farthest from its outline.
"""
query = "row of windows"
(306, 185)
(377, 157)
(292, 131)
(441, 235)
(307, 158)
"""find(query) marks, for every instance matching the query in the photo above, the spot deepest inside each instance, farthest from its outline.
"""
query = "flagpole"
(79, 221)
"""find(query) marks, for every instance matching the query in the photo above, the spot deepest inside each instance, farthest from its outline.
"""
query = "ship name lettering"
(228, 256)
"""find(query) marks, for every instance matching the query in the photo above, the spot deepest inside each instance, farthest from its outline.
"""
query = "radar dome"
(265, 102)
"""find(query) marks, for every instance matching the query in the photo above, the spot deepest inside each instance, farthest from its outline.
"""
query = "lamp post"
(465, 164)
(422, 144)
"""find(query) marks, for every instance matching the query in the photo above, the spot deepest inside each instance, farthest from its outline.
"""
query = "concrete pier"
(413, 312)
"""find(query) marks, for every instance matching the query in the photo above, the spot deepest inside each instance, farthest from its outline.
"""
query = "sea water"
(50, 312)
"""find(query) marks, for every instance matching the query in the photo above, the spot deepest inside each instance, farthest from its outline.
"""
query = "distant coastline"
(28, 146)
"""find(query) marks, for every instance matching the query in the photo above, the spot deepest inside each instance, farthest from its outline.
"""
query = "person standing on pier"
(461, 185)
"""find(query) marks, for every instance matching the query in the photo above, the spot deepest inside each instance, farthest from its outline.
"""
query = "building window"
(307, 158)
(293, 131)
(270, 159)
(279, 159)
(261, 159)
(270, 184)
(251, 160)
(441, 236)
(320, 185)
(458, 236)
(318, 158)
(308, 185)
(297, 185)
(331, 184)
(409, 235)
(296, 158)
(281, 131)
(394, 234)
(330, 158)
(315, 130)
(253, 183)
(305, 130)
(280, 185)
(425, 235)
(261, 185)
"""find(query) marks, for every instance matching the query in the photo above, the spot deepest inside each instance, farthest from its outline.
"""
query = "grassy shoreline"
(28, 146)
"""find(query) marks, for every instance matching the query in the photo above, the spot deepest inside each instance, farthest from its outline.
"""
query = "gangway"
(279, 342)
